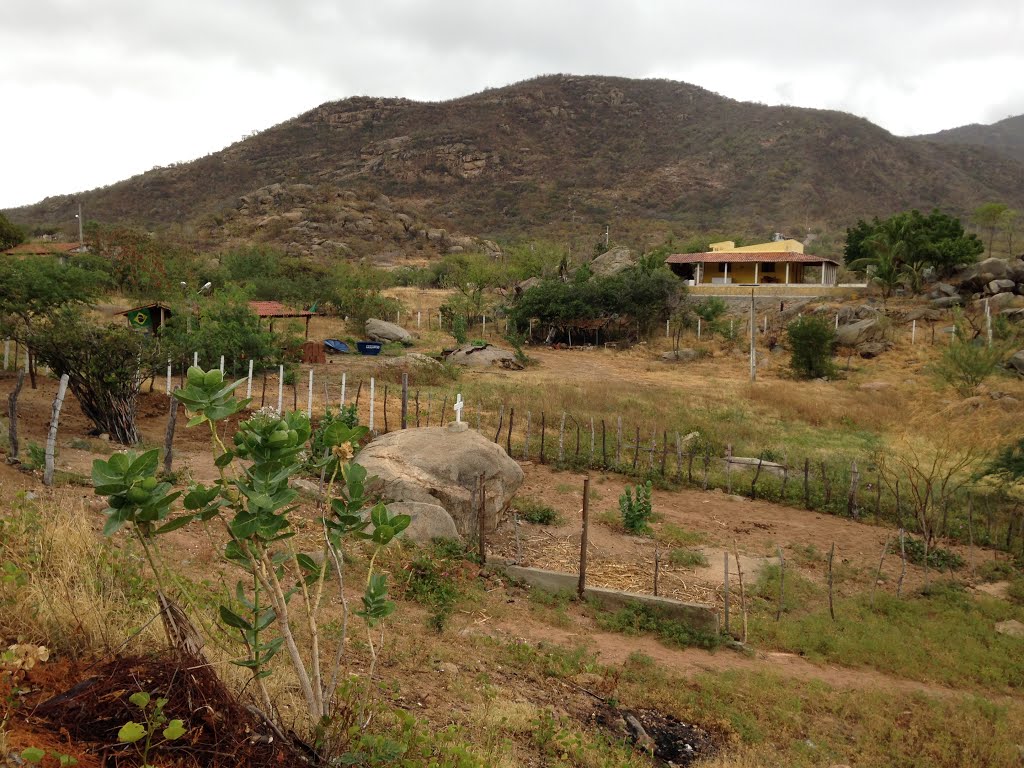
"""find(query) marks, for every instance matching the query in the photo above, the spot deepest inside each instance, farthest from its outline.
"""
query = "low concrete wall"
(693, 615)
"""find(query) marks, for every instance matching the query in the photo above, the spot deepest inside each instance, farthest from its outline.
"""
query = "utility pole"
(81, 240)
(753, 331)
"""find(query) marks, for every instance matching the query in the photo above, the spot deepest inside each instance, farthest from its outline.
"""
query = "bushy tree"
(36, 287)
(106, 366)
(811, 343)
(222, 326)
(10, 233)
(968, 360)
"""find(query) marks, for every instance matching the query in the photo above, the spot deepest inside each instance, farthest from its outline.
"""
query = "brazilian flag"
(141, 319)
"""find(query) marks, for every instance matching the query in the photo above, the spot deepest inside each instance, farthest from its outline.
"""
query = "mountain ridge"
(564, 155)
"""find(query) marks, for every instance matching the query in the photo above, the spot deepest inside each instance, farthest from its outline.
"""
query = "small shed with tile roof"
(275, 309)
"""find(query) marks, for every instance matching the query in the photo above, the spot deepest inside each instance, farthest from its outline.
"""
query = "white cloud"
(114, 87)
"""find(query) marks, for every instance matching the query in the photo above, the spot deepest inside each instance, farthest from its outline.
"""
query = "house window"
(768, 266)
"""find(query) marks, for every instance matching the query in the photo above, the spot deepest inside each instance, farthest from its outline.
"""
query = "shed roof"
(151, 305)
(42, 248)
(738, 257)
(277, 309)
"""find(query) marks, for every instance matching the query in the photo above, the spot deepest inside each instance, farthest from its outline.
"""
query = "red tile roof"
(747, 257)
(41, 248)
(277, 309)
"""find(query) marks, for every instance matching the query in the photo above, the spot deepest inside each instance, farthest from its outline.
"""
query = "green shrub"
(537, 513)
(636, 510)
(459, 329)
(811, 342)
(688, 558)
(938, 558)
(430, 583)
(1015, 591)
(996, 570)
(680, 537)
(636, 619)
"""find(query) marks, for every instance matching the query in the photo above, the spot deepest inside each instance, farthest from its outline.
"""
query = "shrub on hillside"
(811, 342)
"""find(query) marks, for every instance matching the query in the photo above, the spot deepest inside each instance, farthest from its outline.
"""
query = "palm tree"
(890, 251)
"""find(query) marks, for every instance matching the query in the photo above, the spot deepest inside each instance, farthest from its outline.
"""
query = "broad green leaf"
(140, 699)
(131, 732)
(232, 619)
(33, 755)
(145, 464)
(175, 524)
(174, 730)
(224, 459)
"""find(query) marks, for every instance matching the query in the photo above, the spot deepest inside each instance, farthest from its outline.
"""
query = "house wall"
(743, 272)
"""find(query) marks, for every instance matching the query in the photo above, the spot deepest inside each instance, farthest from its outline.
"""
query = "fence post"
(561, 440)
(851, 499)
(501, 423)
(172, 421)
(508, 438)
(373, 387)
(831, 607)
(51, 438)
(725, 590)
(782, 583)
(344, 382)
(168, 377)
(12, 417)
(280, 389)
(743, 594)
(584, 537)
(618, 443)
(405, 400)
(248, 386)
(526, 442)
(309, 396)
(542, 426)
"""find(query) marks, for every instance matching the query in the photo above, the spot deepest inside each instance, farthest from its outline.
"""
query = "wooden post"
(405, 401)
(903, 571)
(807, 483)
(831, 606)
(636, 449)
(359, 391)
(309, 396)
(878, 573)
(501, 423)
(263, 394)
(707, 466)
(743, 594)
(373, 386)
(280, 389)
(561, 440)
(426, 417)
(851, 499)
(444, 405)
(169, 378)
(618, 443)
(542, 425)
(592, 440)
(51, 438)
(12, 417)
(652, 449)
(417, 407)
(757, 474)
(604, 446)
(584, 538)
(785, 475)
(172, 421)
(725, 590)
(576, 455)
(526, 440)
(826, 484)
(657, 564)
(508, 437)
(782, 584)
(385, 409)
(482, 520)
(344, 383)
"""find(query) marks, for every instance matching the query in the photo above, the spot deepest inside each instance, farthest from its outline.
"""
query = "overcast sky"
(94, 92)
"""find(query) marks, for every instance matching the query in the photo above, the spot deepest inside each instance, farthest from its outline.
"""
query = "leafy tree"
(989, 216)
(811, 342)
(10, 233)
(222, 326)
(910, 238)
(968, 360)
(36, 287)
(106, 366)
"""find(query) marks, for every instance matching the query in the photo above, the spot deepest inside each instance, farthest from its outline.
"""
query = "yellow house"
(780, 262)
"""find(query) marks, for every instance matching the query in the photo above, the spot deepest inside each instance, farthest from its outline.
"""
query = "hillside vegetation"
(555, 156)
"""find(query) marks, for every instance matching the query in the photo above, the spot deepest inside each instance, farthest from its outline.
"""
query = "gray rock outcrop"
(613, 261)
(382, 330)
(483, 357)
(852, 334)
(429, 521)
(439, 465)
(1016, 362)
(681, 356)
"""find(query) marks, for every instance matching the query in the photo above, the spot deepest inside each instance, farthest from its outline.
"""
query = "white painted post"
(343, 383)
(309, 397)
(248, 387)
(418, 316)
(699, 327)
(837, 321)
(439, 321)
(765, 324)
(484, 319)
(280, 389)
(913, 332)
(531, 327)
(195, 359)
(398, 317)
(168, 376)
(222, 364)
(988, 322)
(666, 328)
(372, 390)
(7, 352)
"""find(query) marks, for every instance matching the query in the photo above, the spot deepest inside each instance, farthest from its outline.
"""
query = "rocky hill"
(556, 156)
(1005, 137)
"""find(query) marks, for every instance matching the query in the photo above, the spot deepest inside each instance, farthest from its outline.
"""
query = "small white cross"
(459, 405)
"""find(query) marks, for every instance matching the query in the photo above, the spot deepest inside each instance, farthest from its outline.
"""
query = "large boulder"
(612, 262)
(429, 521)
(990, 269)
(441, 465)
(946, 302)
(483, 357)
(862, 331)
(1016, 362)
(1001, 285)
(681, 356)
(382, 330)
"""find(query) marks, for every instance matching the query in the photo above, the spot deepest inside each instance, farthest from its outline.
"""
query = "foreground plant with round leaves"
(253, 500)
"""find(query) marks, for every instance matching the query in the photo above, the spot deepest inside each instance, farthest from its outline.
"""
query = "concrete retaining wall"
(693, 615)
